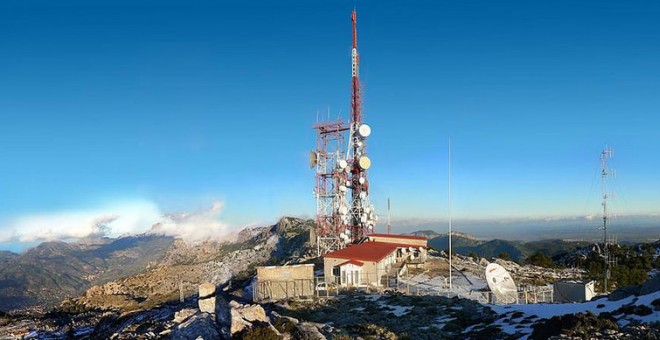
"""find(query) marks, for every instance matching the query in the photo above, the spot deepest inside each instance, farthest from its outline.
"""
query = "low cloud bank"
(195, 227)
(132, 217)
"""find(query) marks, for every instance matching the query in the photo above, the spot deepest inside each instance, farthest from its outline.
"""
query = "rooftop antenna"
(604, 156)
(389, 217)
(449, 196)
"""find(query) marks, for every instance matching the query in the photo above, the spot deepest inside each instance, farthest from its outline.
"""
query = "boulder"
(206, 290)
(242, 316)
(206, 300)
(308, 331)
(207, 305)
(184, 314)
(198, 326)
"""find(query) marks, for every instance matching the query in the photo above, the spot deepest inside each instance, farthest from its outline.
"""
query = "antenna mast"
(343, 211)
(604, 156)
(389, 217)
(362, 217)
(450, 269)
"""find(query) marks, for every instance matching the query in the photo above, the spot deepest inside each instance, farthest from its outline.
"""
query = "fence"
(272, 290)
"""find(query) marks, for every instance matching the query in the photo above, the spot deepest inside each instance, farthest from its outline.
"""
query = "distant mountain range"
(52, 271)
(631, 228)
(142, 269)
(465, 244)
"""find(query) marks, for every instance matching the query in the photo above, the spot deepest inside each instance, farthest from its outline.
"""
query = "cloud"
(112, 220)
(196, 227)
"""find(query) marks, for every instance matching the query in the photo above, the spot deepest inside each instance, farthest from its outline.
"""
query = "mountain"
(458, 242)
(184, 266)
(465, 244)
(52, 271)
(429, 234)
(6, 256)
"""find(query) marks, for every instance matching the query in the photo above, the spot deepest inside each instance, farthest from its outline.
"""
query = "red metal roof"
(354, 262)
(367, 251)
(410, 237)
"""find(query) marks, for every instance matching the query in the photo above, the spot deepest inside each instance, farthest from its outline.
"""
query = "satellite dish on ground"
(313, 159)
(501, 284)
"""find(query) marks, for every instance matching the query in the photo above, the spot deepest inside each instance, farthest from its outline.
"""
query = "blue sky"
(176, 105)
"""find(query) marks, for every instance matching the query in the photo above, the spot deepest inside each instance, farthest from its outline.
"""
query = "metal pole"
(450, 250)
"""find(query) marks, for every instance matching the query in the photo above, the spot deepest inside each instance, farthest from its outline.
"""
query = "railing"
(320, 288)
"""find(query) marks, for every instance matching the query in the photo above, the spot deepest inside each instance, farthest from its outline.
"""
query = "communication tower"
(604, 173)
(344, 213)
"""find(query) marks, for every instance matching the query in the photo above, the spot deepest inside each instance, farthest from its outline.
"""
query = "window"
(335, 271)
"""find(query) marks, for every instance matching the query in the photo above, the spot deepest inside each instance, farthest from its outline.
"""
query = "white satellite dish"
(342, 163)
(501, 284)
(364, 130)
(364, 162)
(361, 180)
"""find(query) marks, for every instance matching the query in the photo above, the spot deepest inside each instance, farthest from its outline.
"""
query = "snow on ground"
(548, 310)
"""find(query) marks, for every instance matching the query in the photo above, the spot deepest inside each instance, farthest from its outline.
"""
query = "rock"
(308, 331)
(207, 305)
(207, 298)
(253, 313)
(198, 326)
(243, 316)
(483, 262)
(206, 290)
(184, 314)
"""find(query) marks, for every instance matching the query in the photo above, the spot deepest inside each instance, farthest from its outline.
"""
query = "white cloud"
(130, 217)
(195, 227)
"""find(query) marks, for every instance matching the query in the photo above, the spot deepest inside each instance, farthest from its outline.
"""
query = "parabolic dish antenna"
(364, 130)
(364, 162)
(501, 284)
(313, 159)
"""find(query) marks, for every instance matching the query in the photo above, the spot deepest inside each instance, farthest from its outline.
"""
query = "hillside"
(465, 244)
(52, 271)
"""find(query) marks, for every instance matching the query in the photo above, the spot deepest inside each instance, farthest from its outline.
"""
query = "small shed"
(573, 291)
(284, 282)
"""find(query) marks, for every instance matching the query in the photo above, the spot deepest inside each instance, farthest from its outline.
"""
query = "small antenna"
(389, 217)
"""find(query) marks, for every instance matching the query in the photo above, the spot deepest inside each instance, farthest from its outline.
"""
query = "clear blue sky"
(184, 103)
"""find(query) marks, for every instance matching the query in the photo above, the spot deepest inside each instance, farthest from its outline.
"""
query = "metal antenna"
(389, 217)
(604, 156)
(449, 196)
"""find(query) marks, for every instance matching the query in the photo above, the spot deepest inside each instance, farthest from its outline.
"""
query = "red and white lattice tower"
(344, 213)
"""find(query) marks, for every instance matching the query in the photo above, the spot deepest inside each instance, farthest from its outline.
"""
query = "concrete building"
(371, 262)
(284, 282)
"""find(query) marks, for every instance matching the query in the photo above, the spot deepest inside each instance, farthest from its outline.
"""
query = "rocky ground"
(147, 306)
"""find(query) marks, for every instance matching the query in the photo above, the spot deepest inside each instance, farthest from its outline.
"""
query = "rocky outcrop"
(200, 325)
(243, 316)
(206, 299)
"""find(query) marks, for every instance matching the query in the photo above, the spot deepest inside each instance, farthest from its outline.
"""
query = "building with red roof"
(368, 262)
